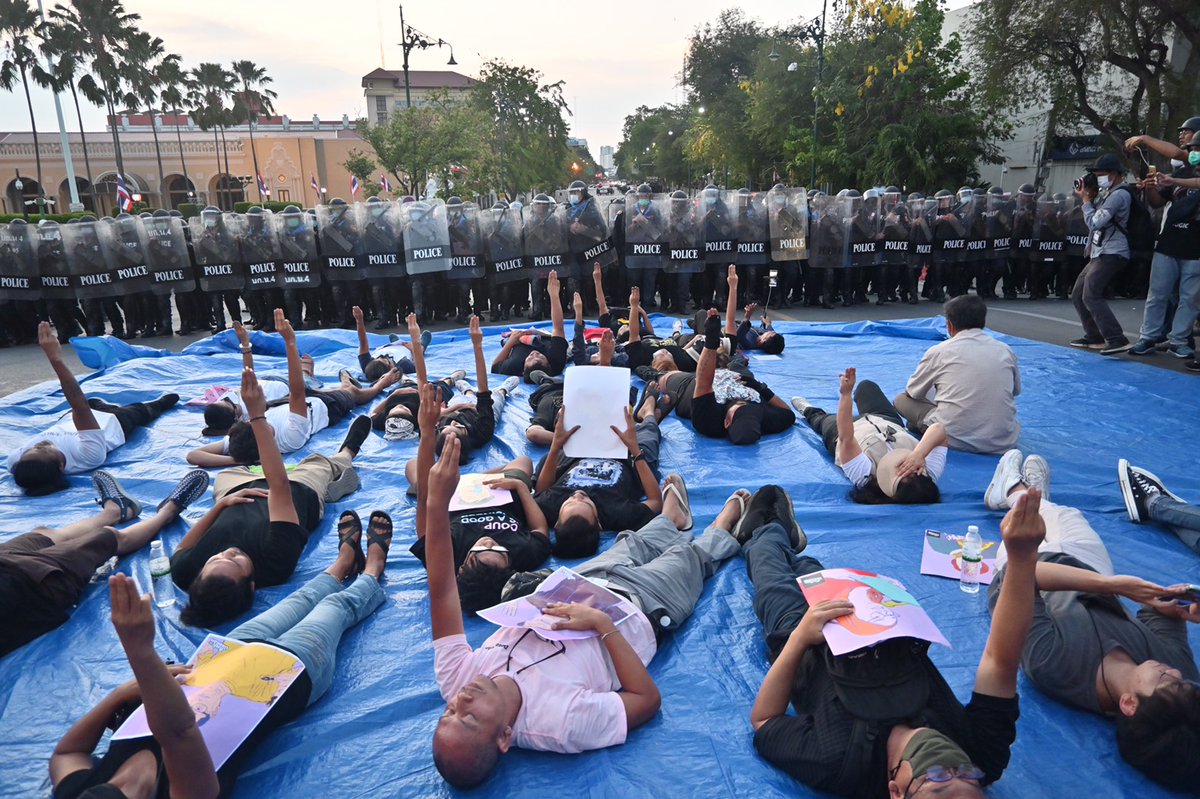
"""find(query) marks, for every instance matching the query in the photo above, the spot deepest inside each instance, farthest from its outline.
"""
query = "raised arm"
(360, 327)
(706, 366)
(635, 313)
(556, 312)
(428, 413)
(280, 506)
(244, 345)
(481, 371)
(549, 471)
(731, 279)
(1164, 148)
(1022, 529)
(598, 283)
(847, 444)
(81, 413)
(445, 610)
(608, 347)
(211, 456)
(296, 403)
(649, 483)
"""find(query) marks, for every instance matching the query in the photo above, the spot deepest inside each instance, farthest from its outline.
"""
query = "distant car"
(604, 190)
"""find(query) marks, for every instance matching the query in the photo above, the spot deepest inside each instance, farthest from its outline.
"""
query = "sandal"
(679, 488)
(742, 495)
(379, 531)
(350, 532)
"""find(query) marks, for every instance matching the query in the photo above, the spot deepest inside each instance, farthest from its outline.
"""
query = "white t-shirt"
(293, 431)
(84, 450)
(272, 390)
(858, 468)
(569, 702)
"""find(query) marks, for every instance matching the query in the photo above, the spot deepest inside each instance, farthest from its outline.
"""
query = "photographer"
(1109, 251)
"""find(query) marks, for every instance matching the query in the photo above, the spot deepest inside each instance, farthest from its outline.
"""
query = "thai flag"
(263, 191)
(315, 186)
(124, 198)
(354, 187)
(383, 183)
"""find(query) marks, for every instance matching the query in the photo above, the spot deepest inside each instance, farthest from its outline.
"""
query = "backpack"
(1139, 230)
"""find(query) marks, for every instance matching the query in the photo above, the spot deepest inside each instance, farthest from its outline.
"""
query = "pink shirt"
(569, 702)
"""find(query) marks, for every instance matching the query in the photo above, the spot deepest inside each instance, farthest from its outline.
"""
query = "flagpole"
(68, 161)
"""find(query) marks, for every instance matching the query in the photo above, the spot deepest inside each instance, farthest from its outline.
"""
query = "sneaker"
(426, 339)
(1192, 366)
(109, 490)
(510, 384)
(462, 386)
(347, 377)
(785, 514)
(1007, 475)
(1035, 473)
(759, 510)
(538, 377)
(1087, 344)
(1161, 344)
(647, 373)
(1116, 349)
(677, 328)
(801, 404)
(1138, 487)
(456, 375)
(1143, 347)
(188, 490)
(360, 428)
(1181, 351)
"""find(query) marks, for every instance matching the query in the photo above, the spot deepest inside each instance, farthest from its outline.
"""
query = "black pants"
(773, 567)
(137, 414)
(868, 399)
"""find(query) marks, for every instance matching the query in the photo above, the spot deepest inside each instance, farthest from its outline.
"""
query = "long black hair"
(916, 489)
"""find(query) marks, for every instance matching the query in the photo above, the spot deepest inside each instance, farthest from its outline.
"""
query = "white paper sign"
(595, 398)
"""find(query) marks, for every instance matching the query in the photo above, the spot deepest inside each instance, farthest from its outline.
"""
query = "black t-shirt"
(505, 524)
(708, 417)
(680, 388)
(285, 709)
(553, 347)
(273, 547)
(480, 421)
(613, 485)
(547, 407)
(641, 353)
(820, 748)
(1180, 235)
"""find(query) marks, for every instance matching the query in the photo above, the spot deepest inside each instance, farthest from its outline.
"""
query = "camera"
(1087, 183)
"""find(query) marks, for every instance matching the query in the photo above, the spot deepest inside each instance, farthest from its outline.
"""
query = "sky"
(613, 57)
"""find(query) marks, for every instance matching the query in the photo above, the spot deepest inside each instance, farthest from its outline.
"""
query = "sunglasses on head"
(941, 774)
(483, 548)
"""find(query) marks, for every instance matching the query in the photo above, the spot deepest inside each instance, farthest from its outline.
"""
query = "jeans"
(1172, 281)
(868, 398)
(649, 437)
(1088, 296)
(1068, 532)
(662, 568)
(1182, 519)
(773, 567)
(310, 623)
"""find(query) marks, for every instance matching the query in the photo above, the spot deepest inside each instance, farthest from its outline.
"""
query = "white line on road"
(1048, 318)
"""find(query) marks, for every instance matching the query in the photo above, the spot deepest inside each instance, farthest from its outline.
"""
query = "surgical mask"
(929, 748)
(1194, 158)
(1103, 181)
(574, 198)
(710, 200)
(643, 204)
(1176, 163)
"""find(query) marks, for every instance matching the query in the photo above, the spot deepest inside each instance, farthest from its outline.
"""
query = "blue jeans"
(773, 567)
(1172, 281)
(310, 623)
(1181, 518)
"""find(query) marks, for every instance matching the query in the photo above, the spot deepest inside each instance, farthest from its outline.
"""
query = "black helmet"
(943, 193)
(577, 185)
(500, 205)
(743, 192)
(210, 208)
(337, 201)
(996, 191)
(892, 190)
(145, 215)
(778, 187)
(291, 209)
(85, 218)
(159, 213)
(1192, 124)
(1059, 197)
(371, 200)
(542, 198)
(455, 200)
(1195, 142)
(175, 213)
(679, 195)
(18, 221)
(980, 191)
(645, 189)
(254, 210)
(1027, 189)
(916, 195)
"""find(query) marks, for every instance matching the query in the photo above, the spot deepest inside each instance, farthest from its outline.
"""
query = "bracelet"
(254, 419)
(610, 632)
(637, 457)
(245, 347)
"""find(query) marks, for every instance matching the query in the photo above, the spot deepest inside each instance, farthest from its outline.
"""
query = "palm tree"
(65, 68)
(145, 54)
(176, 84)
(17, 24)
(213, 85)
(100, 31)
(253, 99)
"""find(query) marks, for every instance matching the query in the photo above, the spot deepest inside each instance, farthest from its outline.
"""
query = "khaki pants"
(329, 478)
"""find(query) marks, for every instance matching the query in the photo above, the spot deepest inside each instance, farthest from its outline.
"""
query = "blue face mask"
(574, 198)
(643, 204)
(1194, 158)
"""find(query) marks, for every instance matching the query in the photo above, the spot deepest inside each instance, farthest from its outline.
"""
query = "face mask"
(1176, 163)
(1103, 181)
(929, 748)
(1194, 158)
(574, 199)
(643, 204)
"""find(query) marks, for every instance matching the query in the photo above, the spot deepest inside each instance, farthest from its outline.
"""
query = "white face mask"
(1104, 181)
(1176, 163)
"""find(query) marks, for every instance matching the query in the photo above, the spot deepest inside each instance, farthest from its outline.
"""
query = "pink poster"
(941, 556)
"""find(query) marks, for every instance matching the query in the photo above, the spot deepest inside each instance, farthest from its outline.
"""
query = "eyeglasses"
(562, 648)
(940, 774)
(482, 548)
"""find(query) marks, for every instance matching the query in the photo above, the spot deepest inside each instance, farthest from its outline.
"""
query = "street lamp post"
(816, 99)
(412, 39)
(19, 185)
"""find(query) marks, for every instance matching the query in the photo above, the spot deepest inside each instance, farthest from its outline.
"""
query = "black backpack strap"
(858, 751)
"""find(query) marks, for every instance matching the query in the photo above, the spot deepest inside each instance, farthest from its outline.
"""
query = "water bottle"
(160, 575)
(972, 560)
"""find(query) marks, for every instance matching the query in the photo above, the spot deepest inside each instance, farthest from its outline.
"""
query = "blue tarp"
(369, 736)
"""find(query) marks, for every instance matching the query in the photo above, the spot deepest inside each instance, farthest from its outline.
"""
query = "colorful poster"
(231, 688)
(883, 609)
(564, 586)
(472, 494)
(941, 556)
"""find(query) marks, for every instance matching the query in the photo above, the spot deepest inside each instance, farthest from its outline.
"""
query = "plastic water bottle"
(972, 560)
(160, 574)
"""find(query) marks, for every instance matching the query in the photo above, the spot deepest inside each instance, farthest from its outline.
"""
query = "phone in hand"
(773, 278)
(1189, 595)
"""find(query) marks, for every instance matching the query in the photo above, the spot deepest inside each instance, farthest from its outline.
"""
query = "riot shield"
(546, 244)
(589, 236)
(260, 250)
(788, 224)
(215, 245)
(426, 237)
(1075, 228)
(897, 230)
(720, 226)
(750, 214)
(381, 241)
(466, 242)
(828, 233)
(89, 268)
(646, 232)
(341, 244)
(18, 269)
(866, 229)
(502, 244)
(1023, 213)
(124, 242)
(973, 212)
(614, 213)
(949, 233)
(1048, 235)
(920, 237)
(685, 237)
(299, 264)
(167, 255)
(999, 224)
(50, 256)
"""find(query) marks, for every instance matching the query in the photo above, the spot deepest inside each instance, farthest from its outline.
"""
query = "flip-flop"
(637, 415)
(350, 532)
(377, 533)
(741, 504)
(681, 493)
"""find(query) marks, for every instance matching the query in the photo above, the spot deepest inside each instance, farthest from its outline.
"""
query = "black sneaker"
(188, 490)
(109, 490)
(785, 514)
(1192, 366)
(1116, 349)
(759, 510)
(97, 404)
(164, 403)
(539, 377)
(360, 428)
(647, 373)
(1138, 487)
(1087, 344)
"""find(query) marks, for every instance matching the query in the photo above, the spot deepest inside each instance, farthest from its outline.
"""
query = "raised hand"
(243, 336)
(131, 615)
(1022, 528)
(414, 327)
(284, 328)
(608, 346)
(443, 477)
(252, 394)
(475, 331)
(552, 286)
(48, 342)
(577, 304)
(846, 381)
(357, 313)
(430, 410)
(731, 277)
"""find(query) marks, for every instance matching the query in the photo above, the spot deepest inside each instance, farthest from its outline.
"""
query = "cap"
(746, 427)
(885, 472)
(886, 682)
(1107, 163)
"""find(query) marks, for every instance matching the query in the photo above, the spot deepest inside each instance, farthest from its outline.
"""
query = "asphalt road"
(1052, 321)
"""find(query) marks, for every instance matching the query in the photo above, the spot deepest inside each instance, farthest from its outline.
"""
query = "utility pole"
(816, 99)
(72, 188)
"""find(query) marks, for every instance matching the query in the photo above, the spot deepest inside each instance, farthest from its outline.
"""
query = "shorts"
(708, 416)
(59, 569)
(518, 474)
(339, 403)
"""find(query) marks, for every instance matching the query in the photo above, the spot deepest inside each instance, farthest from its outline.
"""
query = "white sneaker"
(458, 374)
(801, 404)
(510, 385)
(1007, 475)
(677, 328)
(1036, 474)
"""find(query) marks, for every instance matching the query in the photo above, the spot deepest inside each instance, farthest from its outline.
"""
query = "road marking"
(1048, 318)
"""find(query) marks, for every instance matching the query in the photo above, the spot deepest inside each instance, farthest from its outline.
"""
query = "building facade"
(385, 90)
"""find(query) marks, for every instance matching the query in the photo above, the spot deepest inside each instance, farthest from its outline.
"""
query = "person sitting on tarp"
(883, 724)
(1085, 650)
(44, 573)
(763, 338)
(526, 352)
(1147, 499)
(968, 383)
(375, 363)
(82, 443)
(884, 462)
(519, 689)
(175, 760)
(305, 413)
(260, 520)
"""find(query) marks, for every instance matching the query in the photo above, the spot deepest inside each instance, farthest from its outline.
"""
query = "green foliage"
(35, 218)
(652, 146)
(190, 209)
(275, 206)
(363, 167)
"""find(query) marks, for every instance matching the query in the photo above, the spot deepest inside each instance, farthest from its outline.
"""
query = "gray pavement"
(1052, 321)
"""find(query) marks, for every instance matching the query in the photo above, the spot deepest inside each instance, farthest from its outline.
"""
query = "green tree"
(17, 25)
(176, 85)
(213, 86)
(146, 54)
(363, 167)
(652, 146)
(65, 69)
(254, 98)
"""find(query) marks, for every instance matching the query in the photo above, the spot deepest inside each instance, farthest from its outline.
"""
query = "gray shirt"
(974, 381)
(1108, 223)
(1072, 632)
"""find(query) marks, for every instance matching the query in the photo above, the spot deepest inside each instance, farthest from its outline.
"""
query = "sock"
(712, 333)
(360, 428)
